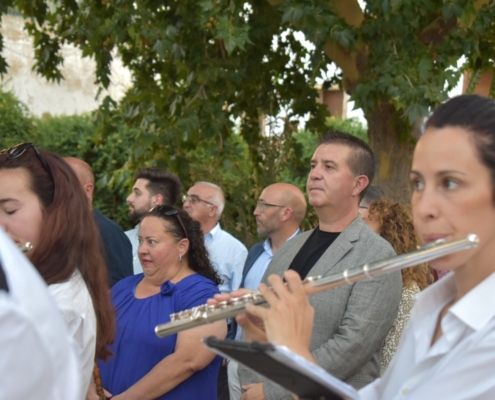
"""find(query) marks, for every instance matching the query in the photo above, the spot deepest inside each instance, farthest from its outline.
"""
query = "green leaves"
(207, 73)
(451, 9)
(292, 14)
(233, 36)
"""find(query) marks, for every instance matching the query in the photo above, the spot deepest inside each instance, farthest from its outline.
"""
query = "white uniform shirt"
(73, 299)
(460, 365)
(228, 255)
(133, 235)
(38, 358)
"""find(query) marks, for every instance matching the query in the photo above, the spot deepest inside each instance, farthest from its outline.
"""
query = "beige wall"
(73, 95)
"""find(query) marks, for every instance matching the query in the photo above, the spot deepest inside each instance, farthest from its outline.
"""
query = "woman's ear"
(183, 246)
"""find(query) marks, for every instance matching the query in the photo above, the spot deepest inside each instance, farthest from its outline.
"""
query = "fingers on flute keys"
(292, 290)
(227, 296)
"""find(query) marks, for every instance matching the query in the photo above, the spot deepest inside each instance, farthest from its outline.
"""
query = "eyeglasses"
(21, 148)
(194, 198)
(168, 210)
(262, 205)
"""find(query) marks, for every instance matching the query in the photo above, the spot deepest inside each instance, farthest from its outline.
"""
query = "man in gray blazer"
(352, 321)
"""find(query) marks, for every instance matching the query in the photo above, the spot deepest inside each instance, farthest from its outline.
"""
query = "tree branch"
(350, 11)
(349, 62)
(437, 29)
(346, 61)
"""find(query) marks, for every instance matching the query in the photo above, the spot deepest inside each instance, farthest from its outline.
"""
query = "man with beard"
(154, 186)
(280, 209)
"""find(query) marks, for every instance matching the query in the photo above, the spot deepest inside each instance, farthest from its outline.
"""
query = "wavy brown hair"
(197, 255)
(396, 227)
(69, 237)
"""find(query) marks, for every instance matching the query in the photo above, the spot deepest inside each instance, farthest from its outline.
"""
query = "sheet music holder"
(282, 366)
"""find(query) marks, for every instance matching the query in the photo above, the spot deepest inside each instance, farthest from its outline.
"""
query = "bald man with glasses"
(279, 212)
(205, 202)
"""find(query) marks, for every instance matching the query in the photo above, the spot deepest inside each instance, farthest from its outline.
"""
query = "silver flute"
(206, 314)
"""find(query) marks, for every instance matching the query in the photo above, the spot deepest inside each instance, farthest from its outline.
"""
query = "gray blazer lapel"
(342, 245)
(282, 260)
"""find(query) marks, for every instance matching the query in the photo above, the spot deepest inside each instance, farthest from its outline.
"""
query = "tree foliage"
(203, 69)
(284, 159)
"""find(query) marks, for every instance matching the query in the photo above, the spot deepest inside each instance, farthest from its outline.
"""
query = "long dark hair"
(69, 238)
(475, 114)
(197, 255)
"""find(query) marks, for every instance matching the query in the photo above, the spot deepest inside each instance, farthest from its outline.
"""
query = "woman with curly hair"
(393, 222)
(177, 275)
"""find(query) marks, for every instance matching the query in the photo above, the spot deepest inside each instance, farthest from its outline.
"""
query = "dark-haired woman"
(177, 275)
(42, 202)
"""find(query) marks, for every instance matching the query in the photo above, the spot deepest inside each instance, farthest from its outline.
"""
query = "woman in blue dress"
(177, 275)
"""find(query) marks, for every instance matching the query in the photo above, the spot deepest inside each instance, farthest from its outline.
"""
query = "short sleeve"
(197, 292)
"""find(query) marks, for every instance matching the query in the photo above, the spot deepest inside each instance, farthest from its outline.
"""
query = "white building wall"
(75, 94)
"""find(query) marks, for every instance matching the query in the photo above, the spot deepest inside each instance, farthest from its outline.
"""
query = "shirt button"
(405, 391)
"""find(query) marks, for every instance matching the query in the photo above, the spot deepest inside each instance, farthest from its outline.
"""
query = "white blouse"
(74, 300)
(38, 359)
(460, 365)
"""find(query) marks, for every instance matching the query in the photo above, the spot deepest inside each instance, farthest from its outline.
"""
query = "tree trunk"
(391, 141)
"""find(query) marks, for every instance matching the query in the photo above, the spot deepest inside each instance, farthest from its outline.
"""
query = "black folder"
(289, 370)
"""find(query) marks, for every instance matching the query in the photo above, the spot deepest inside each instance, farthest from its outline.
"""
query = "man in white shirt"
(38, 358)
(154, 186)
(205, 202)
(279, 212)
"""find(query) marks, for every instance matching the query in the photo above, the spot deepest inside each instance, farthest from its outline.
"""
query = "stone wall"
(75, 94)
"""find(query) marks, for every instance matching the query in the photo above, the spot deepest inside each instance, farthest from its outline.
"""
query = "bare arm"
(190, 356)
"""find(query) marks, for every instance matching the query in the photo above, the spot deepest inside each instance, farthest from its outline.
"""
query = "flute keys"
(245, 298)
(222, 305)
(196, 313)
(312, 279)
(233, 301)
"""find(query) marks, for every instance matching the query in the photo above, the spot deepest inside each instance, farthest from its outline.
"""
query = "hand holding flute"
(231, 306)
(289, 319)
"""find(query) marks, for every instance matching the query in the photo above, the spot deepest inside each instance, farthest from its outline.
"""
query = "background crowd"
(177, 258)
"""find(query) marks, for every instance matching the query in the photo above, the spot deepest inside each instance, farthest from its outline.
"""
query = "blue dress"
(137, 349)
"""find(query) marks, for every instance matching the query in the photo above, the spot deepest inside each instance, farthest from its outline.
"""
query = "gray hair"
(218, 198)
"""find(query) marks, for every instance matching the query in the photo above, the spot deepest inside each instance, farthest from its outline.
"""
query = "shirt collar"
(214, 232)
(474, 309)
(267, 244)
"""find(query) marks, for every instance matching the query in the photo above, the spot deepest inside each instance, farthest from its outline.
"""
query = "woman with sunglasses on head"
(177, 275)
(447, 350)
(42, 202)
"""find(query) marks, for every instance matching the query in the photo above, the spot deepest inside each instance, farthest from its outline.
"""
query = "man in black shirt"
(352, 321)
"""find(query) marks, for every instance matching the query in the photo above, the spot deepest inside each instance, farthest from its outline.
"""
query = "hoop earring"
(180, 258)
